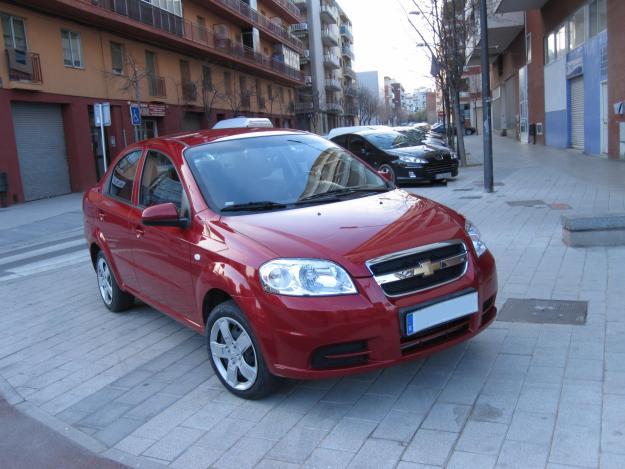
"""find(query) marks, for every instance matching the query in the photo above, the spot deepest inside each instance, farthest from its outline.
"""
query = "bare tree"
(368, 105)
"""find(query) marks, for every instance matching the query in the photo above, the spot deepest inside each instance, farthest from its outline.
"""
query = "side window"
(123, 176)
(160, 183)
(356, 144)
(341, 140)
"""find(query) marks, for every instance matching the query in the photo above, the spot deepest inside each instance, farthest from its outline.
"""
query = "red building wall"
(616, 71)
(535, 72)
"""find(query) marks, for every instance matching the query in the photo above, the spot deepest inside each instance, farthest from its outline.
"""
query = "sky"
(385, 41)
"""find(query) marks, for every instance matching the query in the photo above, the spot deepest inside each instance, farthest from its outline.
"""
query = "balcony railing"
(308, 80)
(330, 36)
(145, 13)
(156, 86)
(299, 29)
(331, 61)
(334, 107)
(261, 21)
(347, 52)
(329, 14)
(24, 66)
(304, 108)
(199, 35)
(350, 91)
(347, 32)
(305, 57)
(189, 91)
(288, 6)
(333, 84)
(349, 71)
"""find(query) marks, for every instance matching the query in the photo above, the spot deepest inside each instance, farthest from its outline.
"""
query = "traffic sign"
(102, 114)
(135, 114)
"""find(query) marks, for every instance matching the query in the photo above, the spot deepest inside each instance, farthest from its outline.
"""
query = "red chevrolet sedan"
(293, 257)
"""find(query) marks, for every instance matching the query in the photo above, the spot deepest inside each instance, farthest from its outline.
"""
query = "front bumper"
(309, 338)
(405, 172)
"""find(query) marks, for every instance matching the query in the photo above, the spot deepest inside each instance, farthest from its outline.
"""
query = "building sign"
(153, 110)
(575, 63)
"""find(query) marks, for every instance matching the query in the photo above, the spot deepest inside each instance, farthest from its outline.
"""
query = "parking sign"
(135, 114)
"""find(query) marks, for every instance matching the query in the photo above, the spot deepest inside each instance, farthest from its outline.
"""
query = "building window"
(117, 58)
(14, 32)
(227, 83)
(577, 28)
(270, 93)
(597, 18)
(528, 48)
(561, 46)
(72, 51)
(207, 78)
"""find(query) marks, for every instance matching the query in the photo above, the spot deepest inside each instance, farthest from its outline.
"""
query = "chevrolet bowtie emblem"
(426, 269)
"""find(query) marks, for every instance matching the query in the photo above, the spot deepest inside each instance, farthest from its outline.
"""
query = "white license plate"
(440, 313)
(443, 176)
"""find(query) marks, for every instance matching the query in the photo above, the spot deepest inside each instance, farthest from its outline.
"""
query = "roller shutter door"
(577, 113)
(40, 138)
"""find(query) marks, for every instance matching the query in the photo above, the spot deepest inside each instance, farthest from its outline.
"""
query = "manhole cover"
(470, 197)
(560, 206)
(544, 311)
(526, 203)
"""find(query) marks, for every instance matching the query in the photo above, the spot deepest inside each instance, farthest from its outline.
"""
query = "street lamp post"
(487, 133)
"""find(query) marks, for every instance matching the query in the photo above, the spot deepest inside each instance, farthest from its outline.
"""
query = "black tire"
(113, 297)
(264, 382)
(385, 168)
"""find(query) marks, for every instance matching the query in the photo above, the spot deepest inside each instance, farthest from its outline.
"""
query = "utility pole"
(488, 130)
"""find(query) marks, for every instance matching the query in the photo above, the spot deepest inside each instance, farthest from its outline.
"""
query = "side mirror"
(385, 175)
(163, 215)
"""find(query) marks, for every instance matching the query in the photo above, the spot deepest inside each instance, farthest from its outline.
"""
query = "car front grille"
(420, 268)
(436, 167)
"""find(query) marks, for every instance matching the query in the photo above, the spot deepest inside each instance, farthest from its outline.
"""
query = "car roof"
(353, 129)
(201, 137)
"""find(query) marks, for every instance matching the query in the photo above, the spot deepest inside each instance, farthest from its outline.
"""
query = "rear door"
(113, 216)
(363, 149)
(162, 253)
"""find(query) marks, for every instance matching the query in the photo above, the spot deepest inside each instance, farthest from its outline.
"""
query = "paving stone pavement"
(137, 388)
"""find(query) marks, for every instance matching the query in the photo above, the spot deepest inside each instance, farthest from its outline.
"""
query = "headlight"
(476, 238)
(413, 159)
(305, 277)
(454, 155)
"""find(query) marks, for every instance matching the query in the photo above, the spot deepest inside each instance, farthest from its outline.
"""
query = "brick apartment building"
(190, 63)
(558, 68)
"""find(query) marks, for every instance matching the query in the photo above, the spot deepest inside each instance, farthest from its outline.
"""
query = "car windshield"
(278, 172)
(414, 135)
(388, 140)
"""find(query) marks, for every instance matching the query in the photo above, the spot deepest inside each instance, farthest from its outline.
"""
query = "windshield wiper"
(260, 205)
(336, 193)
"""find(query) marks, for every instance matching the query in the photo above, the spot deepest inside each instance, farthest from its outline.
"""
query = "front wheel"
(114, 298)
(235, 355)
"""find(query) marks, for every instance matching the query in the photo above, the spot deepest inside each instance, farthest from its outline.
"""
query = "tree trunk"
(459, 119)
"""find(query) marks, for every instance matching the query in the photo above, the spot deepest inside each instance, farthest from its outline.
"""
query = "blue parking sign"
(135, 114)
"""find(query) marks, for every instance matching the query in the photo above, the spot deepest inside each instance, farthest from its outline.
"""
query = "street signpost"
(102, 115)
(135, 118)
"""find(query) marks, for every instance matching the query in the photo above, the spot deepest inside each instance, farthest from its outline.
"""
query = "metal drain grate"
(544, 311)
(526, 203)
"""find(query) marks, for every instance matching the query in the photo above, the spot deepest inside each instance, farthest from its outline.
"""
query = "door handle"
(139, 231)
(101, 215)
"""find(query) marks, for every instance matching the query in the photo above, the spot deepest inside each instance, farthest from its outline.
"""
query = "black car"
(397, 155)
(441, 129)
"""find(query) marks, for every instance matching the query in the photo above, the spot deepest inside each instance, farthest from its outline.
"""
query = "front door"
(523, 107)
(161, 253)
(604, 117)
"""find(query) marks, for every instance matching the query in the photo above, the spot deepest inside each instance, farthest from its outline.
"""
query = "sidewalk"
(137, 388)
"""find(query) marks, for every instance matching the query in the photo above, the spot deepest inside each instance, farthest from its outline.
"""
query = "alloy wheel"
(233, 353)
(105, 281)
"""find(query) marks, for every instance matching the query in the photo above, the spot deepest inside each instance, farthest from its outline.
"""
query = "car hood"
(421, 151)
(353, 231)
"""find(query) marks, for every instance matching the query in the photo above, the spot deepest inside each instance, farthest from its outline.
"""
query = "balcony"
(156, 86)
(351, 110)
(334, 107)
(330, 36)
(333, 84)
(299, 29)
(289, 8)
(329, 14)
(189, 92)
(331, 61)
(304, 108)
(347, 51)
(346, 31)
(350, 91)
(349, 72)
(304, 57)
(263, 23)
(153, 25)
(24, 67)
(308, 80)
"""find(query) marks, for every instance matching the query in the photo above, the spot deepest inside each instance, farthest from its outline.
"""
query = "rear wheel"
(235, 355)
(114, 298)
(386, 169)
